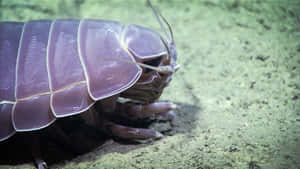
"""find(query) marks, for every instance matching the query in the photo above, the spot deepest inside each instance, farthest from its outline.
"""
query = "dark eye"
(154, 62)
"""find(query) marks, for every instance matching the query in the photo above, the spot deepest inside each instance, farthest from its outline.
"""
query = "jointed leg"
(135, 111)
(109, 108)
(36, 152)
(129, 132)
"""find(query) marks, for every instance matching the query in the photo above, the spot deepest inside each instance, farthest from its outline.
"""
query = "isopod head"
(157, 57)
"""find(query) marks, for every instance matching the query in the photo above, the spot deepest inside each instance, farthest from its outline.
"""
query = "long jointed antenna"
(166, 69)
(157, 14)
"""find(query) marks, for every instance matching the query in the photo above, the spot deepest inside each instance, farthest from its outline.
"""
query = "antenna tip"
(177, 66)
(148, 2)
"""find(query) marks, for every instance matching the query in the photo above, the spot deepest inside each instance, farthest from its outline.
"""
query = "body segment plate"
(59, 68)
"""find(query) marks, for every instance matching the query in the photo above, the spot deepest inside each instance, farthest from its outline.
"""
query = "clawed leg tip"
(172, 116)
(42, 165)
(158, 135)
(168, 116)
(174, 106)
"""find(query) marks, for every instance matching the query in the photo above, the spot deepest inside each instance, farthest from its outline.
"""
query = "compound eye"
(153, 62)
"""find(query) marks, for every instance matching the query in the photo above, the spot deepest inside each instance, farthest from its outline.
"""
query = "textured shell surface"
(57, 68)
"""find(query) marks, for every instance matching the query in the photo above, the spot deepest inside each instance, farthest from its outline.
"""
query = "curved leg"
(36, 152)
(102, 122)
(135, 111)
(64, 141)
(129, 132)
(109, 108)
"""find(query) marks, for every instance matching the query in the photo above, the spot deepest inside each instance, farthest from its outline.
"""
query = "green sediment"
(238, 86)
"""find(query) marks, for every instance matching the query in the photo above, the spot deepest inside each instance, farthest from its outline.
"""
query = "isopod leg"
(111, 108)
(64, 140)
(128, 132)
(169, 115)
(134, 111)
(36, 153)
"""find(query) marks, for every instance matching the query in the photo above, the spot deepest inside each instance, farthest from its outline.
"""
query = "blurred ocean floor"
(238, 85)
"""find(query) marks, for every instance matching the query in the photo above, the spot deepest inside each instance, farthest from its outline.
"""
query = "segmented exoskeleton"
(57, 68)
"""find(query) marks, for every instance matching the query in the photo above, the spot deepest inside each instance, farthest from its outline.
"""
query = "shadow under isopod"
(87, 138)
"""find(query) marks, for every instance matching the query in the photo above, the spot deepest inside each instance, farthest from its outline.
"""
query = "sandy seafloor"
(238, 86)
